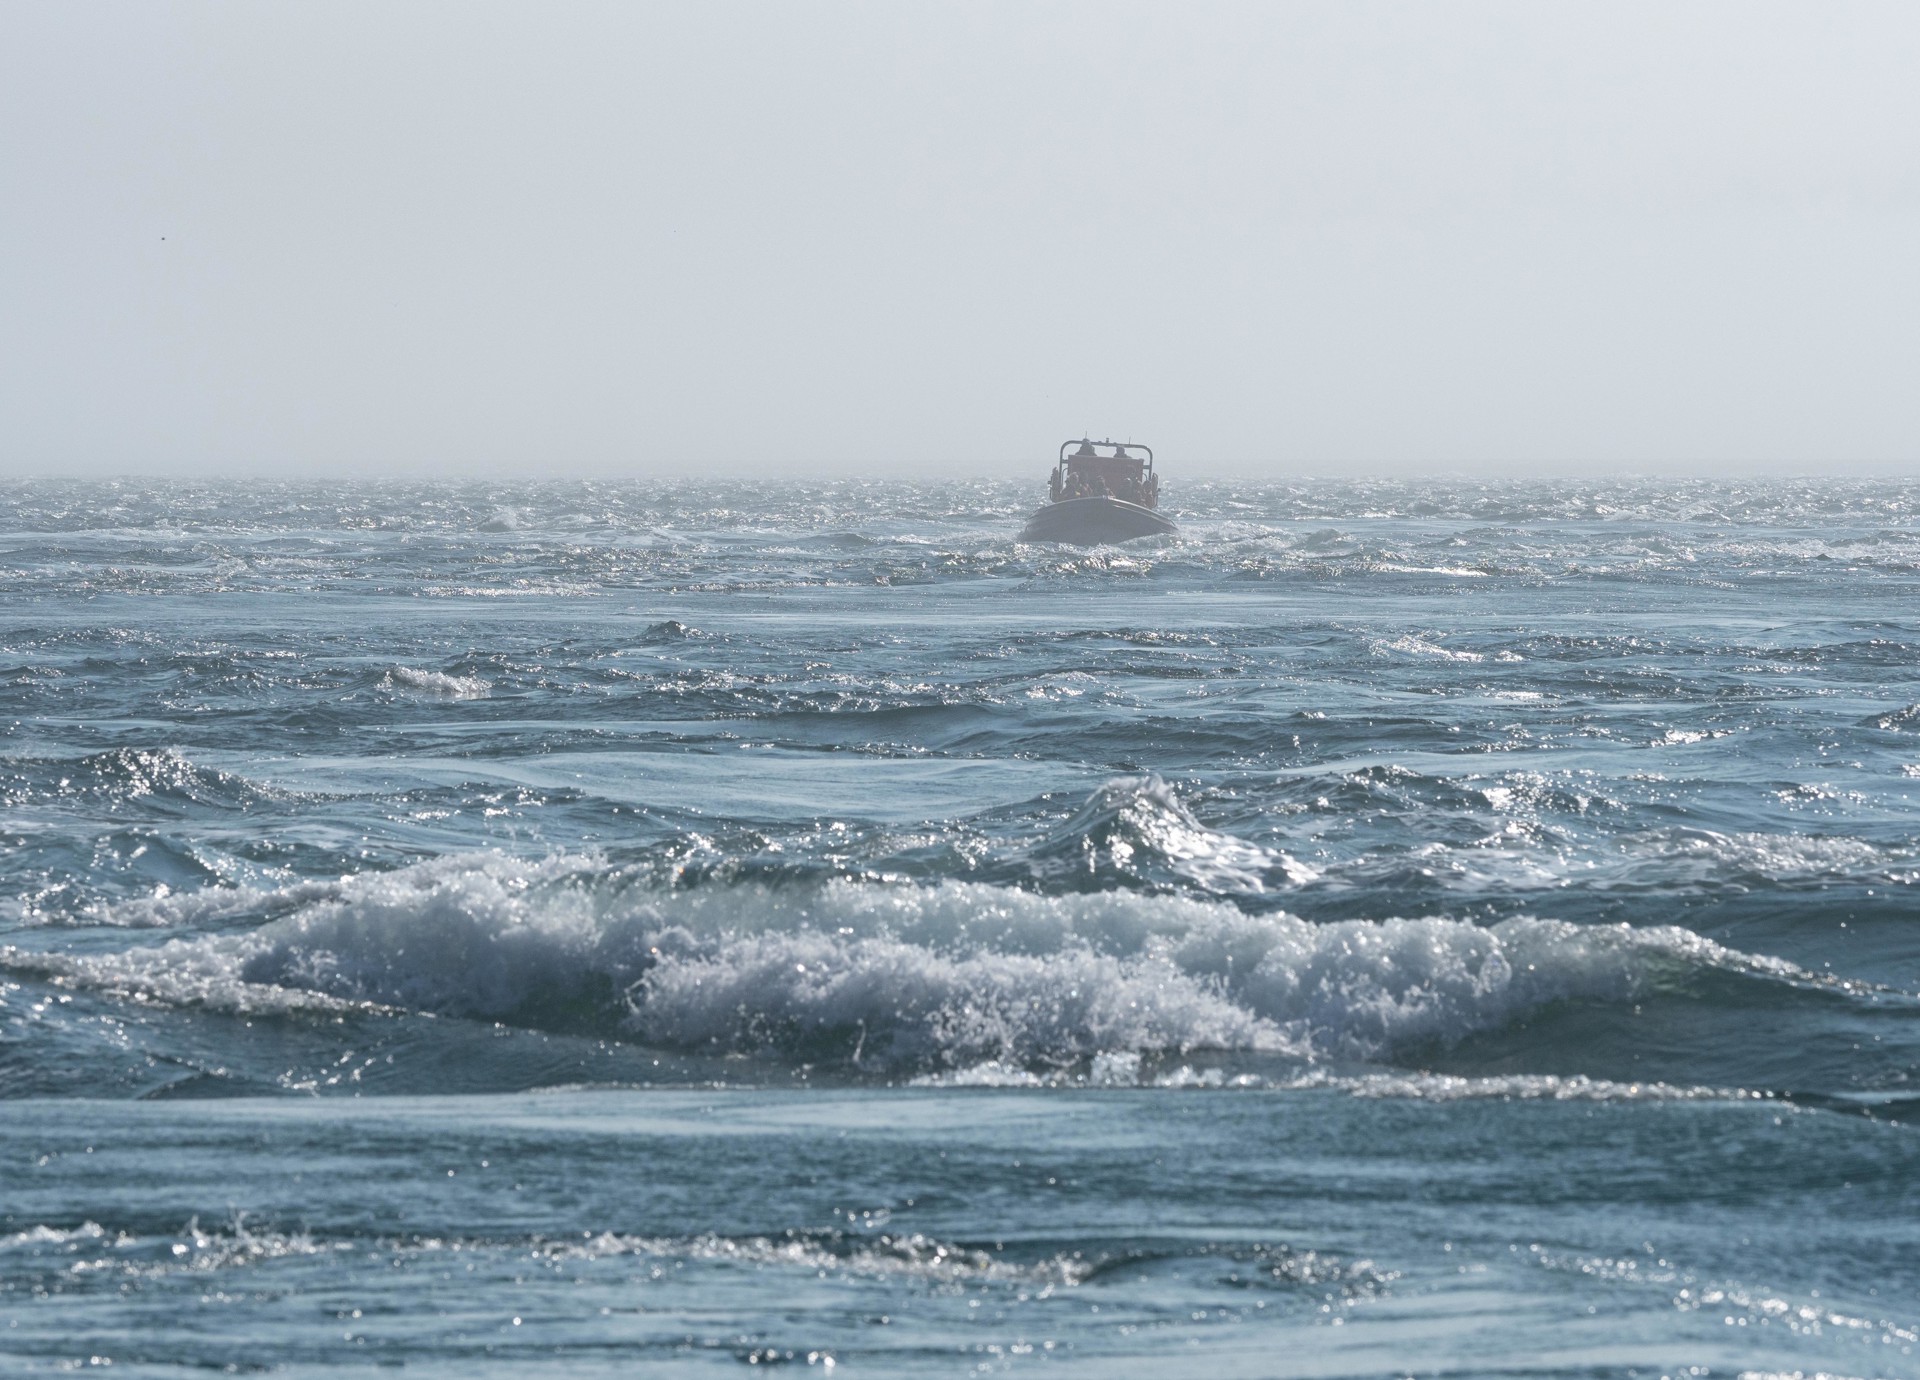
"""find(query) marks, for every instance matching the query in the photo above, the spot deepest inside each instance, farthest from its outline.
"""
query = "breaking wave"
(94, 1252)
(1137, 829)
(438, 683)
(891, 980)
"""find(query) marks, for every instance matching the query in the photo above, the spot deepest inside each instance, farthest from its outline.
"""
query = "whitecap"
(891, 979)
(1409, 645)
(1135, 821)
(437, 683)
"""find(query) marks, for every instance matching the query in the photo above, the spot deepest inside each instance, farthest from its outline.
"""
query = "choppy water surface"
(1439, 928)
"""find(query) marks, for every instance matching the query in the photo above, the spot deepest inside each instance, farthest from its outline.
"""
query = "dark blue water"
(1384, 929)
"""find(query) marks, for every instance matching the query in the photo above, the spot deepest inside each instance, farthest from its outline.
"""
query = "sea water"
(577, 929)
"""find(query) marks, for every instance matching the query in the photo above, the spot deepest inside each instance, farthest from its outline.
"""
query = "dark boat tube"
(1095, 521)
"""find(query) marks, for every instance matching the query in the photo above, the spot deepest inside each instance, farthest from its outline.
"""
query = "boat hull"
(1094, 522)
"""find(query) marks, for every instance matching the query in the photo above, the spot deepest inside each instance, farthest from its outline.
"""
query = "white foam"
(892, 979)
(182, 972)
(1410, 645)
(1676, 856)
(1142, 819)
(1125, 1072)
(170, 909)
(438, 683)
(902, 1006)
(1672, 860)
(1464, 572)
(87, 1233)
(910, 1254)
(1517, 1087)
(992, 1074)
(92, 1250)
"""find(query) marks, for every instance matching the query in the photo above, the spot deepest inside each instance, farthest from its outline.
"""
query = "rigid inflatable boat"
(1095, 499)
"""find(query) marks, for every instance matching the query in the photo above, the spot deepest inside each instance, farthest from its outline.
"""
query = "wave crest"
(891, 979)
(1137, 829)
(437, 683)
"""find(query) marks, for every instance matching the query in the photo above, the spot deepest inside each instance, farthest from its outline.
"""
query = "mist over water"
(654, 904)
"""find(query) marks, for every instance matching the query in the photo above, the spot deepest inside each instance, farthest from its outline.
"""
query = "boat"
(1101, 492)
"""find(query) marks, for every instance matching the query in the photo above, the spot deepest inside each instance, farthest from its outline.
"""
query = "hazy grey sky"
(1282, 238)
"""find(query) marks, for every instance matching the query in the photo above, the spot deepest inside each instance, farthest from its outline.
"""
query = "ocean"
(579, 929)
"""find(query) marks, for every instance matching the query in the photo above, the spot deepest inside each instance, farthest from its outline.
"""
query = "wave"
(1410, 645)
(437, 683)
(1136, 829)
(1897, 720)
(1674, 858)
(892, 980)
(1130, 1071)
(94, 1251)
(918, 1258)
(670, 630)
(156, 777)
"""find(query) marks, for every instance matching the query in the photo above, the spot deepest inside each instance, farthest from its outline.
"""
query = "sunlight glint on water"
(1384, 928)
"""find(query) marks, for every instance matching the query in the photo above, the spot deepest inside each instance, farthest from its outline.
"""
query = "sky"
(1369, 237)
